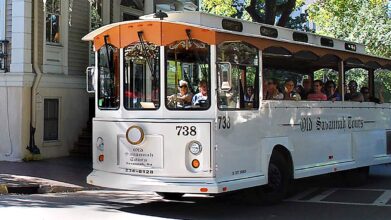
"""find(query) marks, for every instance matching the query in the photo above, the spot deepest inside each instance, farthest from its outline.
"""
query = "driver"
(184, 97)
(203, 93)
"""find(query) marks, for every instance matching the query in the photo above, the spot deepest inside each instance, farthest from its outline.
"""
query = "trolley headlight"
(195, 147)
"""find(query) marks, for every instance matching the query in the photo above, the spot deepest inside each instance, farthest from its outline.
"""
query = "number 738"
(224, 122)
(186, 130)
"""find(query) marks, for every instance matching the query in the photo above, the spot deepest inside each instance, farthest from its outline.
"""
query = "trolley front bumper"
(164, 184)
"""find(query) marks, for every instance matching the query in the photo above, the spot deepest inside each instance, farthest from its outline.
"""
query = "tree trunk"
(270, 11)
(253, 12)
(286, 12)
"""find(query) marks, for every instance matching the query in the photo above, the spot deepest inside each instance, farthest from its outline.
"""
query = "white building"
(42, 68)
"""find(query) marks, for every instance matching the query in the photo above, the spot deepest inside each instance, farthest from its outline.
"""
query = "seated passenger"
(331, 92)
(202, 96)
(307, 88)
(290, 93)
(272, 92)
(353, 95)
(183, 98)
(317, 95)
(367, 97)
(249, 96)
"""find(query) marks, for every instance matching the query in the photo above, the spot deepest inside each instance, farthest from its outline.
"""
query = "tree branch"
(252, 11)
(286, 12)
(270, 11)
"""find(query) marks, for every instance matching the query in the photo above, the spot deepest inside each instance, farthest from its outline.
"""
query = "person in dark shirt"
(367, 97)
(353, 94)
(307, 88)
(331, 93)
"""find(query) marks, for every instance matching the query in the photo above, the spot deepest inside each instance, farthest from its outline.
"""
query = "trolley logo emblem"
(319, 124)
(135, 135)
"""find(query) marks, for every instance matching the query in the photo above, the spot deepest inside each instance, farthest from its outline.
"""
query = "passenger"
(307, 88)
(272, 90)
(317, 95)
(184, 97)
(367, 97)
(249, 96)
(331, 92)
(353, 95)
(264, 89)
(290, 93)
(202, 96)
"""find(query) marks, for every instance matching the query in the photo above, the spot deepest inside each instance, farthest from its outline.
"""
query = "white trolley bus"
(147, 137)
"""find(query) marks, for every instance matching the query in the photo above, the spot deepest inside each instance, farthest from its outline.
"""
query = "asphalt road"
(315, 198)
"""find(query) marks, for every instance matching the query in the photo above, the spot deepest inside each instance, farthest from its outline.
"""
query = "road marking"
(383, 199)
(322, 195)
(380, 201)
(301, 195)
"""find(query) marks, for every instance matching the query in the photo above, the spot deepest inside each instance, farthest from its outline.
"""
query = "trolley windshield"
(187, 75)
(141, 76)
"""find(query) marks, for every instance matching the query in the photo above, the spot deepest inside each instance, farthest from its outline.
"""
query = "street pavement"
(319, 198)
(50, 175)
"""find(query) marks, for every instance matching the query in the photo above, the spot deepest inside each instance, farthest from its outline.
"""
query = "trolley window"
(188, 75)
(237, 73)
(108, 86)
(141, 76)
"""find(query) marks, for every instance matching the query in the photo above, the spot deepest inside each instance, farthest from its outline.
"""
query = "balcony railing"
(3, 55)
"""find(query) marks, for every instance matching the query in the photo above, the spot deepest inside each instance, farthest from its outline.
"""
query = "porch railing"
(3, 55)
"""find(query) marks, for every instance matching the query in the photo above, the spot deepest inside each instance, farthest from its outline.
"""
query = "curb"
(36, 189)
(3, 189)
(57, 189)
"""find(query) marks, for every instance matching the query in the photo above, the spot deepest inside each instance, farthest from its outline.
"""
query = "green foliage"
(361, 21)
(221, 7)
(326, 74)
(237, 9)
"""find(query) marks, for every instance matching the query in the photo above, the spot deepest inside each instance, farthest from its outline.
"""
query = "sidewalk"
(66, 174)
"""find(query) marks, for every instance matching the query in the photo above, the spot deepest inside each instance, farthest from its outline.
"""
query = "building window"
(136, 4)
(53, 13)
(51, 120)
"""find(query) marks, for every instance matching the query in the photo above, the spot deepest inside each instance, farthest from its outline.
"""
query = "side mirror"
(90, 77)
(225, 79)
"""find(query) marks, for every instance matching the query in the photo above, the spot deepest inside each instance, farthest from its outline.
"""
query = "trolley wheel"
(171, 196)
(279, 179)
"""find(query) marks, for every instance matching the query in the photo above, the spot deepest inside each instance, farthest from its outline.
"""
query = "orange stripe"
(174, 32)
(113, 39)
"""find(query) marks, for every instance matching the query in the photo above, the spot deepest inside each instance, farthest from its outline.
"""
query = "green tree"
(262, 11)
(361, 21)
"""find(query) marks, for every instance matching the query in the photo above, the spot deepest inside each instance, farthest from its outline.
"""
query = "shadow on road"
(230, 207)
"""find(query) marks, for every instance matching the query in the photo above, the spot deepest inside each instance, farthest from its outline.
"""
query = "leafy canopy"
(264, 11)
(361, 21)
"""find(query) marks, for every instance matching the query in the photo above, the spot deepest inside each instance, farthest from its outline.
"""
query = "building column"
(21, 36)
(149, 7)
(2, 19)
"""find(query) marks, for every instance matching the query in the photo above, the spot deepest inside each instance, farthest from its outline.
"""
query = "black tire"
(279, 180)
(170, 196)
